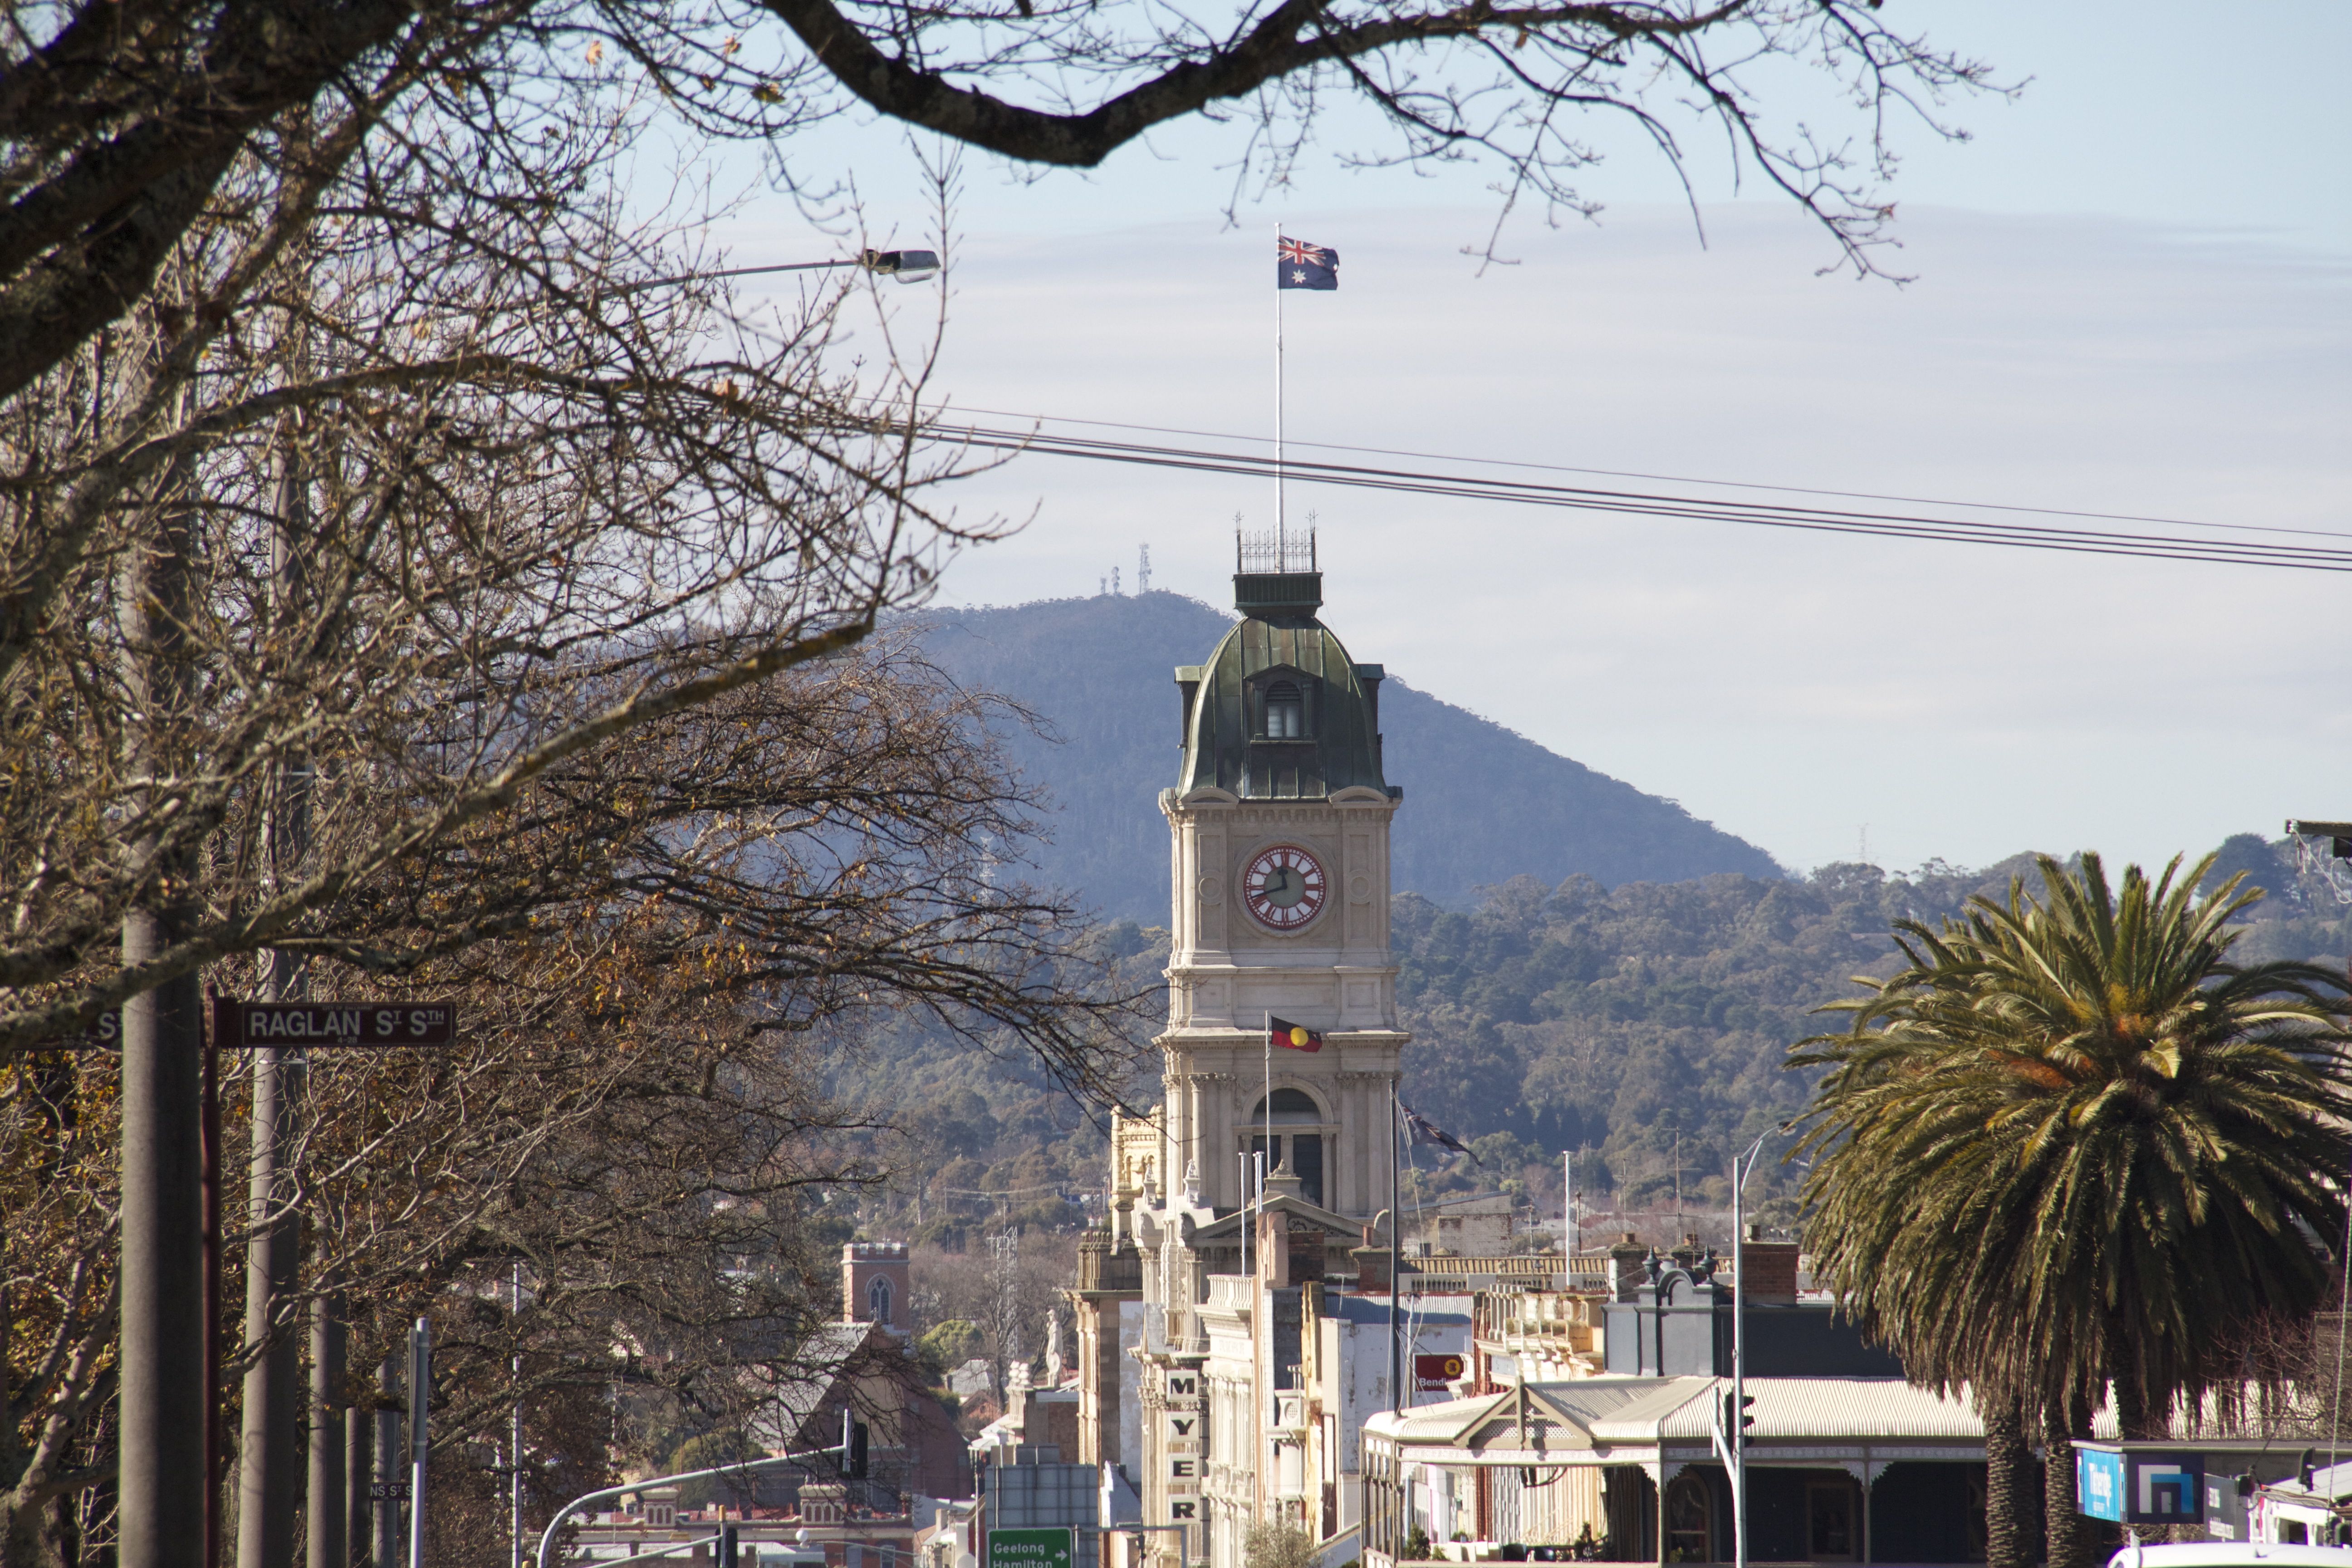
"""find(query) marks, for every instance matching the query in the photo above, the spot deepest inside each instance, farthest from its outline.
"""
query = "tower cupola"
(1280, 711)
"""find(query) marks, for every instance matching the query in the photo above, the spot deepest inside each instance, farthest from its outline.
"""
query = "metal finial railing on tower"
(1274, 551)
(2323, 851)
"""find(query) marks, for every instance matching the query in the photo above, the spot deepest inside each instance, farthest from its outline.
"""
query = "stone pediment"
(1297, 1214)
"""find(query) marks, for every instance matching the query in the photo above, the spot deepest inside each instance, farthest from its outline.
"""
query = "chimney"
(1628, 1267)
(1772, 1269)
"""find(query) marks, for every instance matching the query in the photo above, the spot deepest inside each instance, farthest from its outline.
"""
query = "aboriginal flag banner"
(1293, 1036)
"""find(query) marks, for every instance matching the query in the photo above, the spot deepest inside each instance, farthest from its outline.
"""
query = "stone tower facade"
(1278, 837)
(1281, 783)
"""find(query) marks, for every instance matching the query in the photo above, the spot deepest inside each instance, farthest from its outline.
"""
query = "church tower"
(1278, 838)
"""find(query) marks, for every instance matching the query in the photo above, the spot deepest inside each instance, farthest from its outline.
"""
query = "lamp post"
(906, 265)
(547, 1541)
(1735, 1410)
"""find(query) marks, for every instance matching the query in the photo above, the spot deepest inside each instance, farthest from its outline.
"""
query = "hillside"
(1482, 804)
(1643, 1027)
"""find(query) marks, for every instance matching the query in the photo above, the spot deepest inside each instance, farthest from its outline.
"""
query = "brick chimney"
(1771, 1266)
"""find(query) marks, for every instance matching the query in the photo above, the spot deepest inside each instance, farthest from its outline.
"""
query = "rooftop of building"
(1279, 710)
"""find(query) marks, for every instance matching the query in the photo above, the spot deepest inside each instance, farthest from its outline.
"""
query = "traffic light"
(1738, 1417)
(853, 1447)
(726, 1545)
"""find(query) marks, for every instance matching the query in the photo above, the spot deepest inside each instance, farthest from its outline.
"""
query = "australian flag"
(1304, 266)
(1421, 1130)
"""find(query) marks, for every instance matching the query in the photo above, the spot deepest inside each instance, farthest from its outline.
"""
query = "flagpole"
(1266, 1039)
(1396, 1284)
(1278, 564)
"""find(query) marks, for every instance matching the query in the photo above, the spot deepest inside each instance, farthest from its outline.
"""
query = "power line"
(1679, 479)
(1824, 519)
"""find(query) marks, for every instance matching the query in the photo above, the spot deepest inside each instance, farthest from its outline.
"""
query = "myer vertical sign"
(329, 1023)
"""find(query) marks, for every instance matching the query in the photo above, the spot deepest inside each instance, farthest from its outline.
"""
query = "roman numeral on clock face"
(1284, 886)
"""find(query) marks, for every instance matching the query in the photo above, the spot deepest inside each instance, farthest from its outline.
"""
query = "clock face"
(1284, 887)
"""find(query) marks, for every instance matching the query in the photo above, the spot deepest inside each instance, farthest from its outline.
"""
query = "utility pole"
(514, 1433)
(326, 1544)
(420, 1446)
(1396, 1259)
(162, 1402)
(385, 1493)
(359, 1466)
(266, 1490)
(264, 1493)
(1731, 1418)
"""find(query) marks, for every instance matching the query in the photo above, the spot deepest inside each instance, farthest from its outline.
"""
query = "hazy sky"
(2132, 296)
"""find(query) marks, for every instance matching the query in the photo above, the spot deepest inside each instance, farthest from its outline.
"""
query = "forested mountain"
(1650, 1022)
(1643, 1027)
(1482, 804)
(1584, 967)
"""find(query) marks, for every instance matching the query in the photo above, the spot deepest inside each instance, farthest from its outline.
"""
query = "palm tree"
(2071, 1149)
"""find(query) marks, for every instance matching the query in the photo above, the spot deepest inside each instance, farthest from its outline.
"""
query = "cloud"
(1964, 702)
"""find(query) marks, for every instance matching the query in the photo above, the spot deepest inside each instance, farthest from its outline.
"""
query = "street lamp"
(906, 265)
(547, 1541)
(1731, 1419)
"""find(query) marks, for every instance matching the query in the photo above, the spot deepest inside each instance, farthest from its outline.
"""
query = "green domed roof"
(1279, 711)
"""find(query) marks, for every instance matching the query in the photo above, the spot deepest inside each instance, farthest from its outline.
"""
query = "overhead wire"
(1673, 478)
(2184, 546)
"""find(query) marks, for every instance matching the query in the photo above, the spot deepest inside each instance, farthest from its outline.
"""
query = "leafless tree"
(633, 1117)
(124, 120)
(370, 455)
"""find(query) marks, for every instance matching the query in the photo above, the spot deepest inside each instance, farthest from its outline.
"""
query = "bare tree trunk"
(265, 1464)
(2007, 1542)
(324, 1501)
(30, 1532)
(2068, 1533)
(163, 1399)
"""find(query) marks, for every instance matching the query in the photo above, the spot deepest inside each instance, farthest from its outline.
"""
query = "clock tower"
(1279, 843)
(1194, 1299)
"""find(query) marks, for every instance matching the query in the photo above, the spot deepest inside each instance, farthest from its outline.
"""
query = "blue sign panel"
(2099, 1484)
(2165, 1488)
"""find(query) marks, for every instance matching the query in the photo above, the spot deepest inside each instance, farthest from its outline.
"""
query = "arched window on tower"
(1285, 711)
(877, 1301)
(1302, 1152)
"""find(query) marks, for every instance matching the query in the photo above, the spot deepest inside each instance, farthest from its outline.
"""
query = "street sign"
(1029, 1549)
(244, 1026)
(103, 1033)
(388, 1491)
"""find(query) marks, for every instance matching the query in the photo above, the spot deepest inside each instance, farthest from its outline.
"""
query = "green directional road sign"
(1029, 1549)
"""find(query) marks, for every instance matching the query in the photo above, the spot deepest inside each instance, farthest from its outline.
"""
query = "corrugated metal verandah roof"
(1618, 1420)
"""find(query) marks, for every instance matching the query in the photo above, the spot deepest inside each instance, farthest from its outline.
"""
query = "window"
(877, 1301)
(1829, 1521)
(1288, 1105)
(1285, 711)
(1689, 1535)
